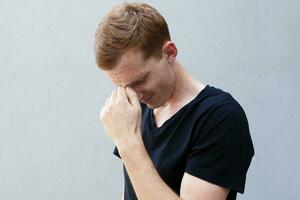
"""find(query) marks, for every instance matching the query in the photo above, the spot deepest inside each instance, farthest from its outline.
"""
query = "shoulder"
(215, 101)
(218, 110)
(217, 97)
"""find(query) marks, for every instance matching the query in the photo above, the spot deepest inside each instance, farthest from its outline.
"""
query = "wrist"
(131, 145)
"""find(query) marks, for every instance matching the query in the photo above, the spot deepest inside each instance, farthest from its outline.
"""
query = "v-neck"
(182, 109)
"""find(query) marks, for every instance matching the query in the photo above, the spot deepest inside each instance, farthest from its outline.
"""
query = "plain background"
(52, 146)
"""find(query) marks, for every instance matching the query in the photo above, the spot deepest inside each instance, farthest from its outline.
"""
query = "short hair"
(127, 26)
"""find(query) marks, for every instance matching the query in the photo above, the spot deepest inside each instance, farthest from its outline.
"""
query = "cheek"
(147, 86)
(156, 85)
(142, 90)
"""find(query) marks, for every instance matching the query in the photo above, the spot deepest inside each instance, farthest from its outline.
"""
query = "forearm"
(146, 181)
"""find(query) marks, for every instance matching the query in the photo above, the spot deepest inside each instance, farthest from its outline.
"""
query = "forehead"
(130, 68)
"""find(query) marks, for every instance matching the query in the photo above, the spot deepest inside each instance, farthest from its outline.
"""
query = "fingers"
(132, 96)
(110, 99)
(107, 102)
(114, 95)
(122, 94)
(118, 94)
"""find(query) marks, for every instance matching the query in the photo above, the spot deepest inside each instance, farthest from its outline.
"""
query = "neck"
(186, 88)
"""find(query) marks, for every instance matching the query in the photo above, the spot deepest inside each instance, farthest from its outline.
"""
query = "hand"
(121, 116)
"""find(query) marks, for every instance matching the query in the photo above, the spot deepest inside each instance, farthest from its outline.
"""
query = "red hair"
(126, 26)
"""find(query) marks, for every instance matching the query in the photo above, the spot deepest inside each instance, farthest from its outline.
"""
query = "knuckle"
(103, 113)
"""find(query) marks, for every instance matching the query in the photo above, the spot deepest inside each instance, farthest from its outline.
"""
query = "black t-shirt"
(208, 138)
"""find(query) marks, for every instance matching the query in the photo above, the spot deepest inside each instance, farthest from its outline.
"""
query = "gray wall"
(52, 146)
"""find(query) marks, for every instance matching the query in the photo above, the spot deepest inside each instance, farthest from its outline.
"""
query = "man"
(177, 137)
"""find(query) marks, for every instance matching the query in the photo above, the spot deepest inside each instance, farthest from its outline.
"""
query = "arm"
(144, 178)
(148, 184)
(196, 188)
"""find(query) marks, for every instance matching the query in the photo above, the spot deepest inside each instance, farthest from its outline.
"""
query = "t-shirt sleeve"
(222, 149)
(116, 152)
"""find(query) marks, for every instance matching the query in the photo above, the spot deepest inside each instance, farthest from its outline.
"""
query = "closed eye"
(139, 81)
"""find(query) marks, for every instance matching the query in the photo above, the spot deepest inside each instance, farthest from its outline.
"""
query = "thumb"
(132, 97)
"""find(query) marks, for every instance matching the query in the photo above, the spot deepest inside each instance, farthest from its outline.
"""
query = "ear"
(169, 50)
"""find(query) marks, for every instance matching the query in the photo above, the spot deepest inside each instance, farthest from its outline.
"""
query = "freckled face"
(153, 80)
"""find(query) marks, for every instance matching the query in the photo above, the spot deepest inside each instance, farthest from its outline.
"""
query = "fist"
(121, 116)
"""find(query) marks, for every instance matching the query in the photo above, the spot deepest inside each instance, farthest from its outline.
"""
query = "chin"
(153, 105)
(150, 106)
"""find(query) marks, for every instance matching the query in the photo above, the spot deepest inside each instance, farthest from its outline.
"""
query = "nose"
(139, 93)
